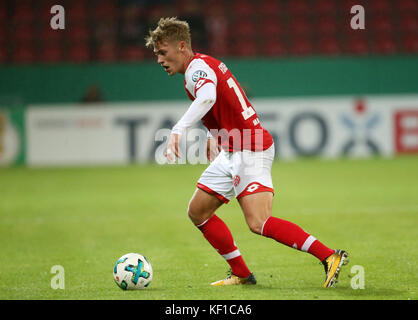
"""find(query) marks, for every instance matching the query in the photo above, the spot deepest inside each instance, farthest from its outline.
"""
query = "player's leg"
(257, 212)
(202, 206)
(201, 211)
(255, 195)
(257, 209)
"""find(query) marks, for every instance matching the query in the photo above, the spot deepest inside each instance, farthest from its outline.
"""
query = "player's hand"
(173, 147)
(212, 149)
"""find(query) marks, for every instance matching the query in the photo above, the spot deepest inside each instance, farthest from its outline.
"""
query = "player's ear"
(182, 45)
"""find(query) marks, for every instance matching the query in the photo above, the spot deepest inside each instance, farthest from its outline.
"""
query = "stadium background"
(300, 48)
(63, 91)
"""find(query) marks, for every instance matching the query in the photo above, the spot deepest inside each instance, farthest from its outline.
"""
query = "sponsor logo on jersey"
(198, 74)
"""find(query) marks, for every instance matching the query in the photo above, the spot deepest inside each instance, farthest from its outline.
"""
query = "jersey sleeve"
(197, 110)
(198, 74)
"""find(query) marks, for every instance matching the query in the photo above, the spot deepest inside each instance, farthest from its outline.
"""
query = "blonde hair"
(169, 29)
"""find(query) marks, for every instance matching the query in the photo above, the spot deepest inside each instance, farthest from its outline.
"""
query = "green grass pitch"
(84, 219)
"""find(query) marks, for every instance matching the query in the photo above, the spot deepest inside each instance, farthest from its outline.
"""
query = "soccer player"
(220, 103)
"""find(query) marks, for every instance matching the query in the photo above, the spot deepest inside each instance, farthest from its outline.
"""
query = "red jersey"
(232, 119)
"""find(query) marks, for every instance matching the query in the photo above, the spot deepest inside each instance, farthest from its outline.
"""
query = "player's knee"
(255, 226)
(191, 211)
(256, 223)
(195, 213)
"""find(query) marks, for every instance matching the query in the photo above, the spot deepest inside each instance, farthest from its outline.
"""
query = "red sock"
(219, 236)
(293, 236)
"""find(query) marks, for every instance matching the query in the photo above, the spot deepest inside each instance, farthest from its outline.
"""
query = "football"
(132, 271)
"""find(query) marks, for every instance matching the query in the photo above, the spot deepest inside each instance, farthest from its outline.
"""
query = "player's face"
(170, 57)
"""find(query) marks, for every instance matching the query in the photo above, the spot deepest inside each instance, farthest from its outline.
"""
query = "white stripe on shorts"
(306, 245)
(232, 255)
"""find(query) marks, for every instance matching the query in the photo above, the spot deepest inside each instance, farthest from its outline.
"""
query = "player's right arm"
(205, 99)
(201, 83)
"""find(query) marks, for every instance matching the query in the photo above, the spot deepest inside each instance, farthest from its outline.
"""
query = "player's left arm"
(205, 99)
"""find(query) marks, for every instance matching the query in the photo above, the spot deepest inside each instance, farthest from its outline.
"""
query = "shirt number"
(247, 111)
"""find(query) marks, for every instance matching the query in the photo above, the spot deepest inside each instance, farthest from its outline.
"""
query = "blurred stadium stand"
(114, 30)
